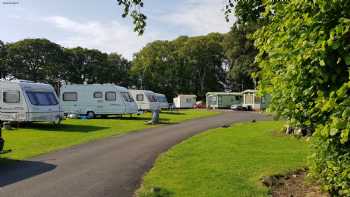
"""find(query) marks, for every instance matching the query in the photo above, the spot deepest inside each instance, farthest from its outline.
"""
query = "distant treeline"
(195, 65)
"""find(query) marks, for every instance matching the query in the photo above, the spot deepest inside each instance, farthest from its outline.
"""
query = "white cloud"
(196, 17)
(200, 16)
(108, 37)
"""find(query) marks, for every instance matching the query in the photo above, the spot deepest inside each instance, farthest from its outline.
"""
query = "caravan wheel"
(90, 114)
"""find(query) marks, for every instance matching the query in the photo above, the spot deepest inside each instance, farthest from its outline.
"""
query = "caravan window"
(42, 98)
(70, 96)
(162, 99)
(127, 97)
(139, 97)
(151, 98)
(98, 95)
(111, 96)
(188, 100)
(11, 97)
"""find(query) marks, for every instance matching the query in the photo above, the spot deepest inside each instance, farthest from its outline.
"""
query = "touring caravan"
(146, 100)
(96, 99)
(162, 100)
(26, 101)
(185, 101)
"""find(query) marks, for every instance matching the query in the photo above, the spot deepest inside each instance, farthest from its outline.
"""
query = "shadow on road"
(12, 171)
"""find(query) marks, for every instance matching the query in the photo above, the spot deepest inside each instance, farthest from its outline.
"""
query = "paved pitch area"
(111, 167)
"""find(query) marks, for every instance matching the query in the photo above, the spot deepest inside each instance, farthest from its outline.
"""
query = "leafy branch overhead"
(132, 8)
(244, 10)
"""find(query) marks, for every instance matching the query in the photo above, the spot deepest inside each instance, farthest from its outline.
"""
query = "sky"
(98, 24)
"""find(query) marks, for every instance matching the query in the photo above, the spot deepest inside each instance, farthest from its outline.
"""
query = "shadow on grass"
(138, 118)
(65, 127)
(12, 171)
(172, 113)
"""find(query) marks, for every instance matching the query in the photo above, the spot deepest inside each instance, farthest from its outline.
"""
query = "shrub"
(304, 56)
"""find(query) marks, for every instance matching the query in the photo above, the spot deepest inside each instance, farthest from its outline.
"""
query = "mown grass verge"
(39, 138)
(225, 162)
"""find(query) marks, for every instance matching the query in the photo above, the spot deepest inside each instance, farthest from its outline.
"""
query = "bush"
(304, 56)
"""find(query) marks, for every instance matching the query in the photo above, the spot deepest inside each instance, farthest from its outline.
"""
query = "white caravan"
(146, 100)
(26, 101)
(162, 100)
(185, 101)
(96, 99)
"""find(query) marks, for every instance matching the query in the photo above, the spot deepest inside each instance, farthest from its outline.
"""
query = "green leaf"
(347, 60)
(333, 131)
(322, 63)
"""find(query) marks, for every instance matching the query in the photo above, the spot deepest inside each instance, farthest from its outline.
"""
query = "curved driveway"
(110, 167)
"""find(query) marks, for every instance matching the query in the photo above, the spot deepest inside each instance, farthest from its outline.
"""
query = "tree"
(304, 60)
(3, 67)
(117, 70)
(155, 67)
(205, 55)
(85, 65)
(246, 11)
(185, 65)
(240, 53)
(35, 59)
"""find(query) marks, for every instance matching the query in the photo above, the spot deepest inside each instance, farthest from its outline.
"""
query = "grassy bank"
(41, 138)
(225, 162)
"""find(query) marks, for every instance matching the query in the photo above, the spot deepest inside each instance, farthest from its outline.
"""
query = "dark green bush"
(304, 56)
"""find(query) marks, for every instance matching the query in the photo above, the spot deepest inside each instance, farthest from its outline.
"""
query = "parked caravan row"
(26, 101)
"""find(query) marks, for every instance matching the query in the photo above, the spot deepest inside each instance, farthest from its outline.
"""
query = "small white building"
(26, 101)
(96, 99)
(185, 101)
(146, 100)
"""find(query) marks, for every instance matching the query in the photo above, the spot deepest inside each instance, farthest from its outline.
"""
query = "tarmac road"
(111, 167)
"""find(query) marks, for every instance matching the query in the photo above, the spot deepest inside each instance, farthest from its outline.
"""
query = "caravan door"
(130, 105)
(114, 104)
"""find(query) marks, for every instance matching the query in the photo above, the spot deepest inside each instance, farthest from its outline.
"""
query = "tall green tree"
(205, 55)
(3, 67)
(240, 53)
(155, 67)
(117, 70)
(85, 66)
(184, 65)
(35, 59)
(304, 60)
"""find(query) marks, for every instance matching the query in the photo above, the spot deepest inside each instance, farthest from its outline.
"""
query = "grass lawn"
(225, 162)
(41, 138)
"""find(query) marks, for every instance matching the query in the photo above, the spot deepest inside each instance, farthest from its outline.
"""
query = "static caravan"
(252, 101)
(185, 101)
(162, 100)
(26, 101)
(97, 99)
(223, 100)
(146, 100)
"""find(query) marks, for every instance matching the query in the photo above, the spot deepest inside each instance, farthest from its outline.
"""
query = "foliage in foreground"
(225, 162)
(304, 54)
